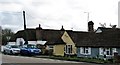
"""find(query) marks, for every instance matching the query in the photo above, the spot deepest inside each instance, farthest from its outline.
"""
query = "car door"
(8, 47)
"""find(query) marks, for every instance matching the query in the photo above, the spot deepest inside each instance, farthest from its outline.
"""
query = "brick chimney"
(90, 26)
(62, 28)
(39, 33)
(40, 26)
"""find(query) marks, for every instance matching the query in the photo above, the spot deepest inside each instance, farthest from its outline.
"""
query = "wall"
(11, 43)
(66, 38)
(118, 50)
(94, 53)
(58, 50)
(41, 42)
(32, 42)
(18, 41)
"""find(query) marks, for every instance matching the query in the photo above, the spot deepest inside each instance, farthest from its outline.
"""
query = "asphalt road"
(23, 59)
(11, 60)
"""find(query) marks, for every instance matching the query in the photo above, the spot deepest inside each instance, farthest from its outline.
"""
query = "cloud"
(11, 18)
(9, 1)
(55, 13)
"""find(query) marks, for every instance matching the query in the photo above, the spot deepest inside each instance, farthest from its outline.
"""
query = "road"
(22, 59)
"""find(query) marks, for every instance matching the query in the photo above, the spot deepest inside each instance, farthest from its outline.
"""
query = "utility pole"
(24, 20)
(25, 31)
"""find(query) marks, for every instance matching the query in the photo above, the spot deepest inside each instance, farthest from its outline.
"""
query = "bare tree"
(103, 25)
(113, 26)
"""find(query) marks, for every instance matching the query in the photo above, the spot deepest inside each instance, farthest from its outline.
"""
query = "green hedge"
(90, 60)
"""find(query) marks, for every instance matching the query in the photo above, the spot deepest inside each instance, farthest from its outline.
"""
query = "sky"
(52, 14)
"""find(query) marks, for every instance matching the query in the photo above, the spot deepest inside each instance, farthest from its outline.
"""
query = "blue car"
(30, 49)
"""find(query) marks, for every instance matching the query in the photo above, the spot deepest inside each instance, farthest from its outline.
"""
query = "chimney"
(40, 26)
(62, 28)
(90, 26)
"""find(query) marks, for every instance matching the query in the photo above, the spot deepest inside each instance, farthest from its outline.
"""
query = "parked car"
(30, 49)
(11, 49)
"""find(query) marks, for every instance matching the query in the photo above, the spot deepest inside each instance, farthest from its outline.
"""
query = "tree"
(6, 35)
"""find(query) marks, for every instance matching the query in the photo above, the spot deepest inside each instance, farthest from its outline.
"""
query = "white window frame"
(67, 49)
(109, 50)
(103, 51)
(84, 49)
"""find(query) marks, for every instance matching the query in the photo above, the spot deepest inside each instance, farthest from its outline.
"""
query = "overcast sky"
(55, 13)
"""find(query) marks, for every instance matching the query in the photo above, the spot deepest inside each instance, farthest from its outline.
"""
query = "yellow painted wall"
(58, 50)
(67, 39)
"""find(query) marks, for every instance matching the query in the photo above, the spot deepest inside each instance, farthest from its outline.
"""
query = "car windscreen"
(14, 46)
(31, 46)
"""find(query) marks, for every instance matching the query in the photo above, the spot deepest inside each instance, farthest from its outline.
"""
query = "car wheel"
(21, 53)
(4, 52)
(11, 52)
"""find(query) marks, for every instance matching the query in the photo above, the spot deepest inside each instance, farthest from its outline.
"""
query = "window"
(85, 50)
(68, 49)
(106, 51)
(50, 46)
(14, 46)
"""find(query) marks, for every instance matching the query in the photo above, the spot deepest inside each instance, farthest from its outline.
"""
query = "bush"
(50, 52)
(45, 52)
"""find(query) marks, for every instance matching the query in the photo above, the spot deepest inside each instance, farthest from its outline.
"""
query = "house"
(24, 35)
(102, 43)
(54, 44)
(54, 41)
(69, 48)
(48, 39)
(58, 41)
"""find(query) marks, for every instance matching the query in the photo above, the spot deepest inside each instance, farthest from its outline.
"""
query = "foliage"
(81, 59)
(6, 33)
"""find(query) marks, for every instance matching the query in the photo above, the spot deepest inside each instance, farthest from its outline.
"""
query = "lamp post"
(87, 16)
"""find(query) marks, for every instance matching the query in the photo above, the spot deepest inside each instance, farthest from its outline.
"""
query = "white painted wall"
(98, 31)
(41, 42)
(32, 42)
(18, 40)
(11, 43)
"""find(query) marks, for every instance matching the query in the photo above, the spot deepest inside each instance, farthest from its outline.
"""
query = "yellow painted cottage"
(67, 48)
